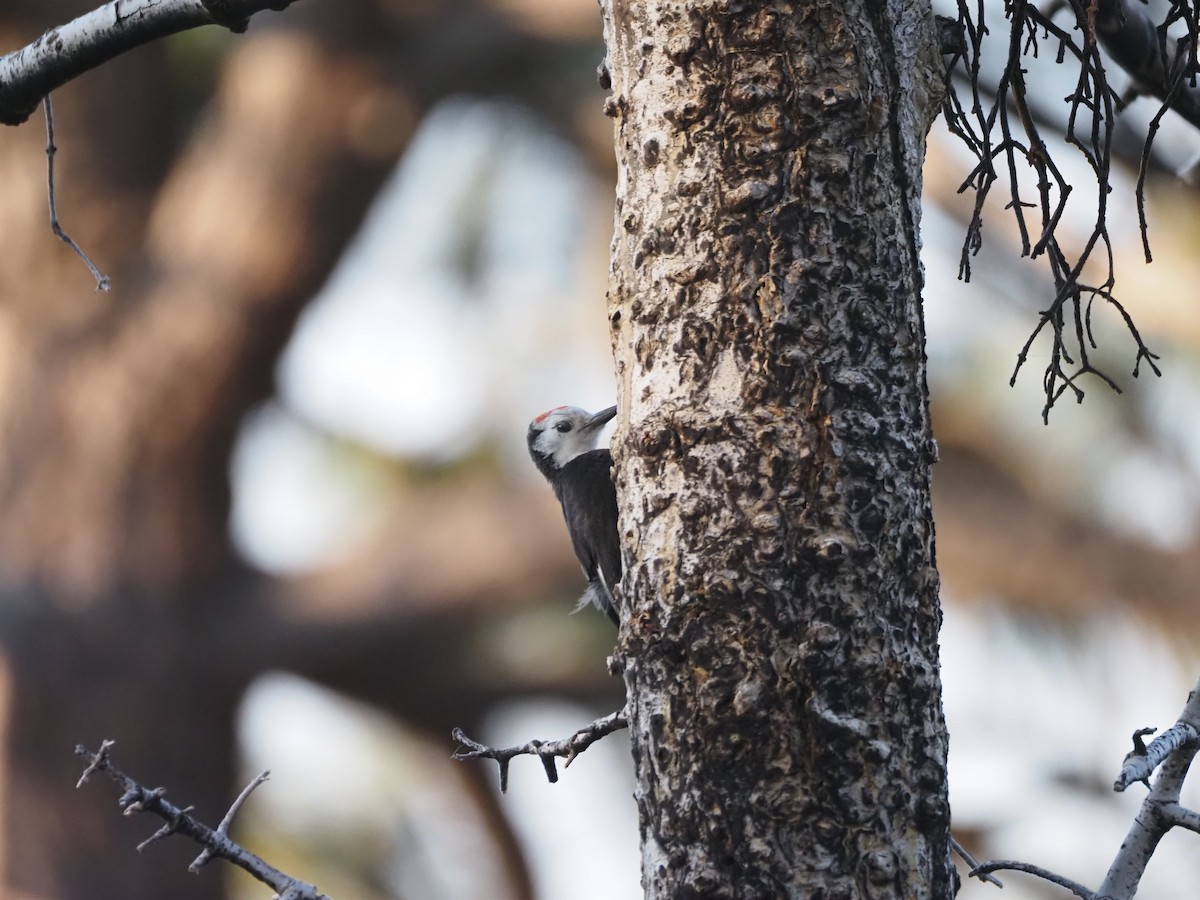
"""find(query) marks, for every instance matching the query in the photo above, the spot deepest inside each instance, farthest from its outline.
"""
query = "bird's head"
(558, 436)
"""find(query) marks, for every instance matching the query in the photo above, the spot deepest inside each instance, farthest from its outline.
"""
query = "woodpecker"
(562, 443)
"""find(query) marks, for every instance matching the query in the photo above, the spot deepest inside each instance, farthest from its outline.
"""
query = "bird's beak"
(600, 418)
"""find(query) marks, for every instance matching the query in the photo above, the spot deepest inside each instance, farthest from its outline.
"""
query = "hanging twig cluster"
(996, 123)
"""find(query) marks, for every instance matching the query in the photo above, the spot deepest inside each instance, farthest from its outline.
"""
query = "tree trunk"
(774, 451)
(117, 579)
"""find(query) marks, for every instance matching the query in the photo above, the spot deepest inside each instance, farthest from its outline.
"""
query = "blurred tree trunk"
(774, 456)
(124, 612)
(119, 410)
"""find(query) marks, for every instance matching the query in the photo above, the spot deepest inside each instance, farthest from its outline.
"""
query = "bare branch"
(223, 829)
(547, 751)
(1161, 811)
(1158, 66)
(135, 799)
(1001, 131)
(1179, 815)
(61, 54)
(1175, 749)
(1141, 762)
(1012, 865)
(52, 149)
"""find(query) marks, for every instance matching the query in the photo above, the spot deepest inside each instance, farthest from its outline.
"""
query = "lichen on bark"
(773, 453)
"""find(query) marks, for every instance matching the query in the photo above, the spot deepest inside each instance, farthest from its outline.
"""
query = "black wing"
(589, 503)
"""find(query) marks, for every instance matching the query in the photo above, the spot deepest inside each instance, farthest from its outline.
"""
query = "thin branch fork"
(974, 864)
(568, 747)
(215, 843)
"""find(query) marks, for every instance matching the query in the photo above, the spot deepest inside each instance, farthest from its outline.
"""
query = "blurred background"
(267, 505)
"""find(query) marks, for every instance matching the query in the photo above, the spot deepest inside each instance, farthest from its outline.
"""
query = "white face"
(565, 433)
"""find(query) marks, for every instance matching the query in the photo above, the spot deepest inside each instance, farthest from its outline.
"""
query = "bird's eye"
(562, 427)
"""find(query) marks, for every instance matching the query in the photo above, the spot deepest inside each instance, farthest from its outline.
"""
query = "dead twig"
(1012, 865)
(51, 150)
(973, 863)
(136, 798)
(547, 751)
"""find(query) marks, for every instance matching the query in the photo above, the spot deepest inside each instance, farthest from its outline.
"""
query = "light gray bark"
(1161, 811)
(61, 54)
(773, 452)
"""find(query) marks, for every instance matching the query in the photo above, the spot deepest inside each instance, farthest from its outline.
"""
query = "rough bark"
(774, 449)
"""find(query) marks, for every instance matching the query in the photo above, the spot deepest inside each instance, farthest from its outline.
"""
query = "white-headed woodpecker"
(562, 443)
